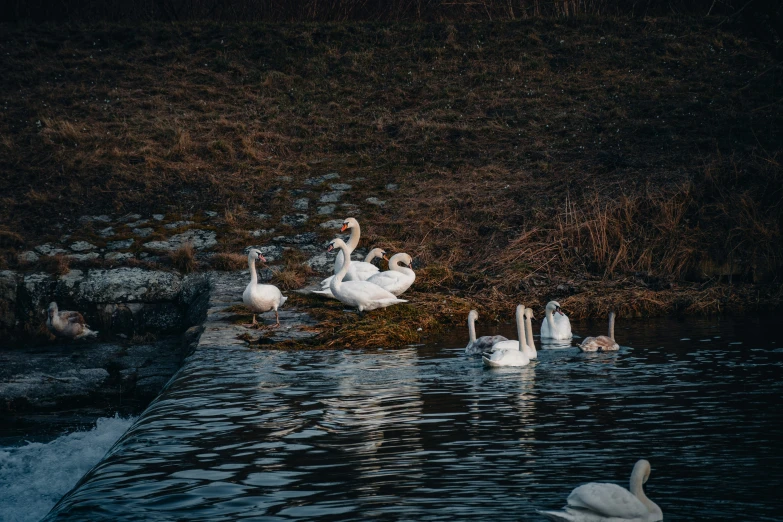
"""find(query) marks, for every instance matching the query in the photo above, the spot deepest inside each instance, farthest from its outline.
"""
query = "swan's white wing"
(326, 293)
(505, 345)
(506, 358)
(360, 271)
(608, 500)
(326, 282)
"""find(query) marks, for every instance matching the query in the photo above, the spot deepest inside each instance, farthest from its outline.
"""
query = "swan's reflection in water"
(429, 434)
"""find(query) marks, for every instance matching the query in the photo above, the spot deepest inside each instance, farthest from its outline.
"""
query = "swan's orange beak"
(261, 258)
(385, 257)
(344, 227)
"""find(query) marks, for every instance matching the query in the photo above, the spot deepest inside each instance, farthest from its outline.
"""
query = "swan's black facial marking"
(330, 247)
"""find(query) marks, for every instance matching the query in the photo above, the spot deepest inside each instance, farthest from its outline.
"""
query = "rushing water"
(34, 475)
(425, 433)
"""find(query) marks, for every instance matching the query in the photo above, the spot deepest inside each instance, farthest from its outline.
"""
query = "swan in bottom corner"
(555, 326)
(397, 278)
(508, 353)
(483, 343)
(68, 324)
(602, 342)
(260, 298)
(361, 294)
(605, 502)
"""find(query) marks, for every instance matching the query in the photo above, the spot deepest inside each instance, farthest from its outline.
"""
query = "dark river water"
(425, 433)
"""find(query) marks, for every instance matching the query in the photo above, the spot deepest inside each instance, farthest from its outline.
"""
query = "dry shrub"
(10, 239)
(60, 131)
(58, 264)
(294, 272)
(228, 261)
(184, 258)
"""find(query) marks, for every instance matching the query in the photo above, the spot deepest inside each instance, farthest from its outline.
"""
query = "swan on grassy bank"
(483, 343)
(510, 353)
(365, 271)
(397, 278)
(260, 298)
(360, 294)
(605, 502)
(601, 343)
(556, 324)
(70, 325)
(360, 271)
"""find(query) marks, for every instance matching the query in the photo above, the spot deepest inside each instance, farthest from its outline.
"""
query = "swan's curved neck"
(353, 241)
(338, 277)
(472, 328)
(637, 489)
(521, 329)
(611, 326)
(550, 321)
(531, 345)
(253, 276)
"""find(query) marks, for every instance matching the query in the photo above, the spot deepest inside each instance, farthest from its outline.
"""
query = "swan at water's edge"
(556, 324)
(510, 353)
(602, 342)
(68, 324)
(605, 502)
(360, 271)
(397, 278)
(483, 343)
(260, 298)
(360, 294)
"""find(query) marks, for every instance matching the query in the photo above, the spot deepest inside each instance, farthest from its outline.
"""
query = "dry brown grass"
(58, 264)
(228, 261)
(184, 258)
(294, 272)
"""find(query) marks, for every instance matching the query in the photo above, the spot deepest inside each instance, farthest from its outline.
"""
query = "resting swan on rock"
(260, 298)
(366, 269)
(508, 353)
(483, 343)
(360, 294)
(360, 271)
(604, 502)
(66, 324)
(602, 342)
(397, 278)
(555, 326)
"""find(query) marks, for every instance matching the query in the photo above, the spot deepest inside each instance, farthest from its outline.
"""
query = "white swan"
(483, 343)
(260, 298)
(602, 342)
(68, 324)
(361, 294)
(508, 353)
(397, 278)
(360, 271)
(604, 502)
(364, 271)
(530, 345)
(557, 326)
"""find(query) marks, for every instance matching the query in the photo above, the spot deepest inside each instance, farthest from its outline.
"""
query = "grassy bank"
(632, 164)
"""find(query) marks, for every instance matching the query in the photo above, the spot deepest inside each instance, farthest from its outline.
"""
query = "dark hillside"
(634, 160)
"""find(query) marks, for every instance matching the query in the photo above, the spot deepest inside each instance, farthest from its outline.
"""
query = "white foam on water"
(35, 476)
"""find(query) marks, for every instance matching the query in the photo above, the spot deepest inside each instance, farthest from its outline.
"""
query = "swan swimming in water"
(605, 502)
(602, 342)
(555, 326)
(361, 294)
(70, 325)
(260, 298)
(397, 278)
(510, 353)
(483, 343)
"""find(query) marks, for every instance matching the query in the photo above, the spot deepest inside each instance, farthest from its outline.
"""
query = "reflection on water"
(425, 433)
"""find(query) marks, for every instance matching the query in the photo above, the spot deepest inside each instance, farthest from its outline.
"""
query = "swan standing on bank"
(556, 324)
(360, 294)
(365, 271)
(260, 298)
(70, 325)
(601, 343)
(483, 343)
(508, 353)
(397, 278)
(604, 502)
